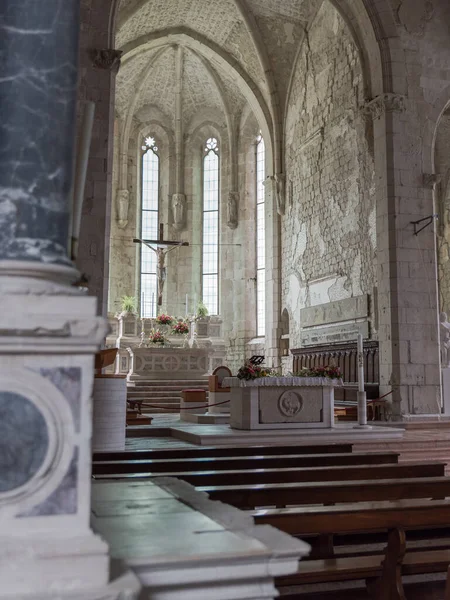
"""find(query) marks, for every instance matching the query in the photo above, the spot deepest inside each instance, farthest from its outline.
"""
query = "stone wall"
(328, 232)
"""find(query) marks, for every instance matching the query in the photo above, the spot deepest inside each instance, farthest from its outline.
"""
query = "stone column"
(273, 274)
(407, 283)
(48, 329)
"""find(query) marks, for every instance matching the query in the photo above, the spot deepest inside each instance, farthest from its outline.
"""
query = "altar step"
(163, 395)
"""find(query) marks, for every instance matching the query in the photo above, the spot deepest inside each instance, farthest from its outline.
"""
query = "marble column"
(49, 330)
(38, 46)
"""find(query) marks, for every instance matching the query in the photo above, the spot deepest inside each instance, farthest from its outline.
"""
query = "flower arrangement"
(156, 337)
(180, 328)
(163, 319)
(329, 372)
(249, 371)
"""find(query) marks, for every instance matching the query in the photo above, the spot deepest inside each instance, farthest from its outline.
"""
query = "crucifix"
(161, 248)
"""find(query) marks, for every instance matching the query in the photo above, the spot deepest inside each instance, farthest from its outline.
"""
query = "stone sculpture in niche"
(232, 210)
(123, 202)
(179, 211)
(444, 334)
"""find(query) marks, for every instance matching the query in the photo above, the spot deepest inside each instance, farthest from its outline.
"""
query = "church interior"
(225, 299)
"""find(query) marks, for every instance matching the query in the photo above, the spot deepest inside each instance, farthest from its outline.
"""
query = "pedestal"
(109, 414)
(49, 330)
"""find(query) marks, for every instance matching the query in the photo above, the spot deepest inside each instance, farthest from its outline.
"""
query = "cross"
(162, 248)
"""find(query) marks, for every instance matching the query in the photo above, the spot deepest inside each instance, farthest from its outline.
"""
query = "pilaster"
(273, 273)
(407, 282)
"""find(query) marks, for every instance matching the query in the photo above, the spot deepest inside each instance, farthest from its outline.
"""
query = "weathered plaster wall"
(328, 232)
(442, 198)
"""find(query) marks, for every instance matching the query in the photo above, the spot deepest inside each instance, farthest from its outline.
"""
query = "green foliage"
(202, 311)
(128, 304)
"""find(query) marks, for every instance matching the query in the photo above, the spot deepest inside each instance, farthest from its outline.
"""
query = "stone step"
(161, 390)
(168, 382)
(161, 403)
(160, 409)
(157, 393)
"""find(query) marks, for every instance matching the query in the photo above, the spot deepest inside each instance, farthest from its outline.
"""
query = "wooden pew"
(251, 462)
(368, 517)
(210, 452)
(259, 476)
(331, 492)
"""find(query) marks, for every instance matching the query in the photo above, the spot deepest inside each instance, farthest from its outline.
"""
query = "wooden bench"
(223, 451)
(331, 492)
(366, 517)
(259, 476)
(252, 462)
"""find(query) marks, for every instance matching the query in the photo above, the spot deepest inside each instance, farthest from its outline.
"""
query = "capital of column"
(430, 180)
(106, 58)
(383, 104)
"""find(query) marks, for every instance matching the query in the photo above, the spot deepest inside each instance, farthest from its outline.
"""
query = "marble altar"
(181, 357)
(282, 402)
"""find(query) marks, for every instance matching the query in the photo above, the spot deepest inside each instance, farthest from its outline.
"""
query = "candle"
(187, 305)
(360, 364)
(80, 174)
(153, 305)
(143, 306)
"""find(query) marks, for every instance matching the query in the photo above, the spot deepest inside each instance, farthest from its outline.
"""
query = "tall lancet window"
(149, 226)
(260, 238)
(210, 249)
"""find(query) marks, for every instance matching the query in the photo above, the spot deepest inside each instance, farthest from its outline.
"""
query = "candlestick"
(80, 174)
(362, 400)
(360, 363)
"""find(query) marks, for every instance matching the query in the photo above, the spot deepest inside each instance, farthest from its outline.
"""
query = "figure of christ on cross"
(161, 248)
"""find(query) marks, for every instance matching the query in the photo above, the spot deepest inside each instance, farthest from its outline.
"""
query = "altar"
(282, 402)
(182, 357)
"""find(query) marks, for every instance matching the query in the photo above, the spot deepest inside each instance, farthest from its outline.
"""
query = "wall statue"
(123, 202)
(280, 192)
(232, 210)
(179, 211)
(444, 334)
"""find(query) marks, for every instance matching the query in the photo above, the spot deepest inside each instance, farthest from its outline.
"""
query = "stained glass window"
(260, 238)
(210, 248)
(149, 227)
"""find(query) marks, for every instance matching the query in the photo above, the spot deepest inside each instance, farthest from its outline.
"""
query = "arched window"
(260, 238)
(149, 226)
(210, 249)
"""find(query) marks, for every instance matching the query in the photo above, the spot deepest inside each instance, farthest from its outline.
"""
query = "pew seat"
(330, 492)
(382, 571)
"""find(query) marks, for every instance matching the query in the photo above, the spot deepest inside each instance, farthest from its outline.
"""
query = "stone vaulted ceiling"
(234, 51)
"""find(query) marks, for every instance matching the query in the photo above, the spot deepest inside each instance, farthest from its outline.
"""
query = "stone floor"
(421, 441)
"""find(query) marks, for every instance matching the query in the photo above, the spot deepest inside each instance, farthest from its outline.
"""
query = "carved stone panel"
(290, 406)
(24, 440)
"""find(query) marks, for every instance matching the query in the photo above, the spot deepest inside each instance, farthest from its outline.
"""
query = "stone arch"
(224, 61)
